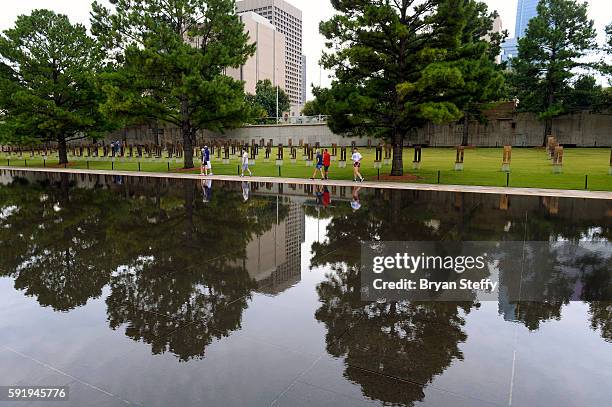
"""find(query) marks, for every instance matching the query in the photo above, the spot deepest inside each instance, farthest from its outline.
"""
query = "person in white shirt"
(245, 163)
(356, 157)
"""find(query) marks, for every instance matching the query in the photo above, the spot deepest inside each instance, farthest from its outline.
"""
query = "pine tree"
(170, 58)
(48, 89)
(396, 66)
(548, 55)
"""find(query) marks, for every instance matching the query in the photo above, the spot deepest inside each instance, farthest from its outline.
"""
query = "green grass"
(530, 167)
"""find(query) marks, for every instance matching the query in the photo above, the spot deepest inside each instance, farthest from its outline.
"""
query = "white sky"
(313, 11)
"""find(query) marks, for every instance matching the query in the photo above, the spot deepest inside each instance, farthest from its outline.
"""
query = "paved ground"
(563, 193)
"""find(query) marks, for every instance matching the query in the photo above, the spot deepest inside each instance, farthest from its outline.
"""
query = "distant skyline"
(313, 12)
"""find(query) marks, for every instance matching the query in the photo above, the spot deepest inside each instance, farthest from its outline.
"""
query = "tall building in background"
(525, 11)
(304, 87)
(269, 60)
(287, 20)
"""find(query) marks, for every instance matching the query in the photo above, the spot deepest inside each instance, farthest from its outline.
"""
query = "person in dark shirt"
(318, 165)
(206, 165)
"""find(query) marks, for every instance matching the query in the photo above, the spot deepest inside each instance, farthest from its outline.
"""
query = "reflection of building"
(269, 59)
(274, 258)
(525, 11)
(288, 20)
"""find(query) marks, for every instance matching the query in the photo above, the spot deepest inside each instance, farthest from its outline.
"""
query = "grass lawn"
(530, 167)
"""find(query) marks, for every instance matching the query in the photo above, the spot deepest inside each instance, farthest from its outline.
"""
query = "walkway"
(562, 193)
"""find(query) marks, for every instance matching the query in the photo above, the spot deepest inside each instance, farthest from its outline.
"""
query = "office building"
(525, 11)
(269, 59)
(304, 86)
(287, 20)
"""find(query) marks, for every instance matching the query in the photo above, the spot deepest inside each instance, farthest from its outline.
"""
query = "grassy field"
(530, 167)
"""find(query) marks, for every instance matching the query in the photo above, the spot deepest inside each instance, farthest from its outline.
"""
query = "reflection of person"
(326, 197)
(326, 162)
(318, 166)
(246, 189)
(245, 163)
(356, 157)
(355, 204)
(206, 190)
(206, 165)
(319, 194)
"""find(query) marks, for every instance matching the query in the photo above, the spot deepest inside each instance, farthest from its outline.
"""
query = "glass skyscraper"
(525, 11)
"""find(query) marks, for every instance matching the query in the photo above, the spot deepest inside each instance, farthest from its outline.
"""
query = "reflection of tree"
(171, 261)
(187, 276)
(54, 244)
(549, 276)
(539, 287)
(412, 341)
(408, 340)
(417, 341)
(601, 318)
(596, 276)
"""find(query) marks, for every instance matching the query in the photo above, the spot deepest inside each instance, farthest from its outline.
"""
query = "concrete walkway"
(561, 193)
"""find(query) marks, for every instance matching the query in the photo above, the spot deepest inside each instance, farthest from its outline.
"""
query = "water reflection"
(418, 341)
(182, 264)
(169, 260)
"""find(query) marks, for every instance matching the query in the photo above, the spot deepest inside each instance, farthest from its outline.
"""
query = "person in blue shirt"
(318, 165)
(206, 165)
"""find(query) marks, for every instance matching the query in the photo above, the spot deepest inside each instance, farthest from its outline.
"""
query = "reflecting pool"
(166, 292)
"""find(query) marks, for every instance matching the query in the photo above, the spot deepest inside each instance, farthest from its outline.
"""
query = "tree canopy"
(552, 49)
(48, 91)
(401, 64)
(170, 62)
(265, 97)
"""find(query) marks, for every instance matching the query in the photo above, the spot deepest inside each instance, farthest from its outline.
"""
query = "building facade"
(269, 61)
(287, 20)
(525, 11)
(304, 86)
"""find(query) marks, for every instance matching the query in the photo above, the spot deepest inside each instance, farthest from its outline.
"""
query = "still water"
(161, 292)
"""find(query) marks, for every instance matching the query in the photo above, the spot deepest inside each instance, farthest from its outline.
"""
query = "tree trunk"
(188, 146)
(466, 128)
(188, 133)
(547, 130)
(397, 167)
(62, 150)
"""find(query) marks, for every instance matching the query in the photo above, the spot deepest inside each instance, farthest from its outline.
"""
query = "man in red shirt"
(326, 162)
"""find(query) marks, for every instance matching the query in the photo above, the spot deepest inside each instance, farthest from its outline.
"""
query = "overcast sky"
(313, 12)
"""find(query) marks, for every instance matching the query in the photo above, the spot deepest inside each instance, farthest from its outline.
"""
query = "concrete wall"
(502, 128)
(524, 129)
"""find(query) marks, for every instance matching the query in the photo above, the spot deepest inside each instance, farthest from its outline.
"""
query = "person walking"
(356, 157)
(318, 165)
(206, 165)
(326, 163)
(245, 163)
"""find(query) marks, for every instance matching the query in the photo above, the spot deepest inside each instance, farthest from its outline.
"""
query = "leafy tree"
(396, 66)
(47, 82)
(553, 47)
(171, 56)
(586, 94)
(316, 106)
(606, 66)
(476, 58)
(265, 98)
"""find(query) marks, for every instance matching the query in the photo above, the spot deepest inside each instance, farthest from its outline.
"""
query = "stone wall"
(503, 127)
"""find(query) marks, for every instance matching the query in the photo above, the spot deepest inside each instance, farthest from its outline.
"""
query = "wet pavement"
(149, 292)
